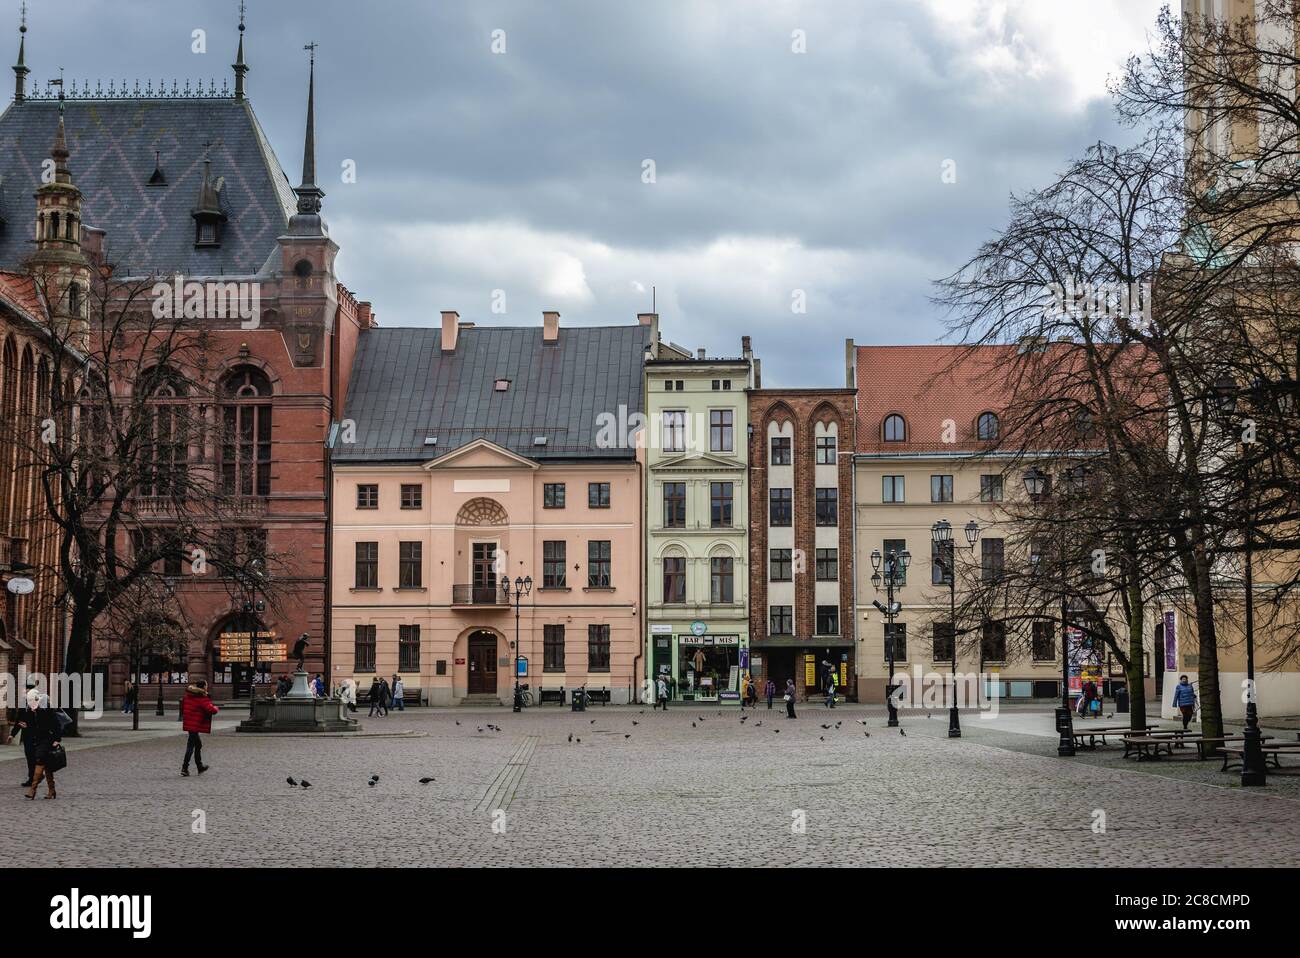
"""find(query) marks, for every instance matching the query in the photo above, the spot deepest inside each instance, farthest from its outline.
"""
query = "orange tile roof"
(927, 386)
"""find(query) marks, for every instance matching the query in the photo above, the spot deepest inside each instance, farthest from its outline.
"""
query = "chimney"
(758, 374)
(651, 320)
(364, 316)
(450, 325)
(700, 353)
(850, 365)
(550, 328)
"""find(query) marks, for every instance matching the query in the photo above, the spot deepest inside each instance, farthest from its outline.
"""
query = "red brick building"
(801, 622)
(184, 186)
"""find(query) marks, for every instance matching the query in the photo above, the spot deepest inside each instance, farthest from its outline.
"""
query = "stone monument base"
(299, 711)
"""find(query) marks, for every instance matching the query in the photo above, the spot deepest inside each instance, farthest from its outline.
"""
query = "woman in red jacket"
(196, 718)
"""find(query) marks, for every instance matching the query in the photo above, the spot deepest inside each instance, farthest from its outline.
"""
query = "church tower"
(59, 265)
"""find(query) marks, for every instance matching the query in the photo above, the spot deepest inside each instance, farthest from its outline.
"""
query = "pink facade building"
(467, 454)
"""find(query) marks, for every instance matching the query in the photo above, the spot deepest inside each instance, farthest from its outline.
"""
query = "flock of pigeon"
(695, 723)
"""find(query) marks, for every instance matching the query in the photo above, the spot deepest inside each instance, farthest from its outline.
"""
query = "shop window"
(705, 670)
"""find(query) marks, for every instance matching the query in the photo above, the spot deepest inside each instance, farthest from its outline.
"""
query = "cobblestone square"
(637, 787)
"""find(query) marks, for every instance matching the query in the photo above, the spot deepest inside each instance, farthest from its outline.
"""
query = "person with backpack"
(197, 710)
(1185, 699)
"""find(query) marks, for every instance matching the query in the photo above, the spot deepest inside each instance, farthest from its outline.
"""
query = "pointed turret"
(59, 263)
(307, 221)
(20, 68)
(240, 67)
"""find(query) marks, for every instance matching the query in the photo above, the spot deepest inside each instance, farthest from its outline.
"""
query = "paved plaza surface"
(686, 787)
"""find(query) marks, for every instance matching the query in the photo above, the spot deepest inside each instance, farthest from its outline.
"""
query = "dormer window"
(207, 235)
(501, 385)
(986, 427)
(207, 213)
(894, 428)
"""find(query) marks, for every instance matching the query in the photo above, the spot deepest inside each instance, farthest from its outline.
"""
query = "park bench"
(1272, 752)
(1114, 731)
(598, 695)
(1147, 747)
(551, 695)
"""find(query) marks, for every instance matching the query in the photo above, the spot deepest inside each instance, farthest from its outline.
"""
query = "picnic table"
(1100, 732)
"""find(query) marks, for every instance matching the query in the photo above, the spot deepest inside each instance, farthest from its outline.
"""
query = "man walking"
(1185, 699)
(770, 691)
(399, 694)
(375, 696)
(661, 693)
(196, 719)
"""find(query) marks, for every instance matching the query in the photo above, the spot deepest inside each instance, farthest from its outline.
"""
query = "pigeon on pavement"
(291, 781)
(426, 780)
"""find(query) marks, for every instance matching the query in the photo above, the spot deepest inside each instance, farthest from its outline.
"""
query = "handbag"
(788, 697)
(56, 759)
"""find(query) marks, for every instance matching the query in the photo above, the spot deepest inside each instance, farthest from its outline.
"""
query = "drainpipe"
(853, 486)
(642, 545)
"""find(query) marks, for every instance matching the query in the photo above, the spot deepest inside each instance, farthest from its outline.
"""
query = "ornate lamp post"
(169, 586)
(893, 561)
(521, 588)
(941, 535)
(1036, 485)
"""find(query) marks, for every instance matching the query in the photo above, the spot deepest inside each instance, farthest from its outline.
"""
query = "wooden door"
(482, 663)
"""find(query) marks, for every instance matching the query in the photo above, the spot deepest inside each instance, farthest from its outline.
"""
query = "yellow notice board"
(810, 671)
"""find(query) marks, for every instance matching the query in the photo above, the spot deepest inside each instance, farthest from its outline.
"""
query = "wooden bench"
(550, 695)
(1114, 731)
(599, 695)
(1273, 752)
(1147, 747)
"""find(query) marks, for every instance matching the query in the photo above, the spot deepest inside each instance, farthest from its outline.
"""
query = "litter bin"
(579, 700)
(1121, 698)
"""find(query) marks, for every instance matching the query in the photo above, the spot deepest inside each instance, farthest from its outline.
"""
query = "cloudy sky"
(518, 160)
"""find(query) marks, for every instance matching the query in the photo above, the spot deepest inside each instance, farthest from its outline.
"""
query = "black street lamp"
(893, 561)
(169, 585)
(522, 586)
(1036, 485)
(941, 535)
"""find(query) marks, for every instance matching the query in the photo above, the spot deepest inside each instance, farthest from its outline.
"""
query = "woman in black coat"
(43, 725)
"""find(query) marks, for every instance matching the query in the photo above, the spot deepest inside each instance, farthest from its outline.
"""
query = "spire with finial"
(241, 68)
(20, 68)
(309, 194)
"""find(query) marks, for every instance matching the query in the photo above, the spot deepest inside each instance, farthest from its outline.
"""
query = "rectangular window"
(892, 489)
(412, 496)
(942, 642)
(990, 559)
(720, 500)
(552, 648)
(825, 450)
(674, 505)
(990, 488)
(720, 429)
(673, 424)
(408, 648)
(553, 495)
(410, 565)
(597, 648)
(367, 495)
(674, 579)
(828, 620)
(941, 488)
(598, 495)
(781, 450)
(598, 561)
(938, 563)
(364, 654)
(781, 620)
(896, 638)
(367, 565)
(780, 566)
(828, 508)
(993, 642)
(828, 565)
(780, 507)
(721, 579)
(1044, 644)
(896, 546)
(554, 564)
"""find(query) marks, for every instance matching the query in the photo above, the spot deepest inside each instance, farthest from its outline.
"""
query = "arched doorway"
(482, 663)
(237, 677)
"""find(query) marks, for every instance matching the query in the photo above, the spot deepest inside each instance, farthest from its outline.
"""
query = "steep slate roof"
(149, 228)
(405, 388)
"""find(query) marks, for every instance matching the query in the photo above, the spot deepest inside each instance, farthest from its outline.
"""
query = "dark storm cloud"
(522, 171)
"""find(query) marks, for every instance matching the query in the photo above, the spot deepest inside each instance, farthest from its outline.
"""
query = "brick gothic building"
(801, 621)
(181, 183)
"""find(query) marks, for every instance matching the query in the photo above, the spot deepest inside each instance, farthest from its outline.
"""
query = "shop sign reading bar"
(709, 639)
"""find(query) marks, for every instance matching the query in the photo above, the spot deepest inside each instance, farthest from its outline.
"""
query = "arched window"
(74, 301)
(895, 428)
(986, 427)
(245, 443)
(8, 403)
(165, 415)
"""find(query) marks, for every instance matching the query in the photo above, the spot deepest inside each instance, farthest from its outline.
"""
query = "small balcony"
(13, 551)
(479, 595)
